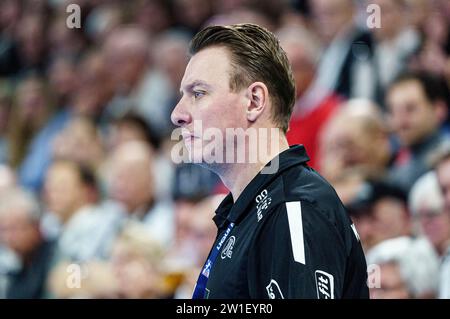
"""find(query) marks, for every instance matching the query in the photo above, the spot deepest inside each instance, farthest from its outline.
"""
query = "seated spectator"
(355, 139)
(403, 268)
(87, 226)
(441, 163)
(196, 232)
(346, 45)
(393, 44)
(426, 204)
(131, 183)
(136, 261)
(314, 105)
(379, 212)
(417, 109)
(80, 133)
(20, 232)
(30, 112)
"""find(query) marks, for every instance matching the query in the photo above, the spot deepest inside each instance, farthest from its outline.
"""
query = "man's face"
(64, 192)
(18, 232)
(387, 219)
(207, 97)
(392, 284)
(330, 16)
(412, 116)
(435, 226)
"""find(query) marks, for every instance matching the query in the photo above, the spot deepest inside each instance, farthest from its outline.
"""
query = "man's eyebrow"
(190, 86)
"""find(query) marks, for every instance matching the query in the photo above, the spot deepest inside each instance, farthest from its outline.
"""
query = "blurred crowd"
(91, 203)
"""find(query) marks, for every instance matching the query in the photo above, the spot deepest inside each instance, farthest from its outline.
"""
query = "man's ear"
(258, 97)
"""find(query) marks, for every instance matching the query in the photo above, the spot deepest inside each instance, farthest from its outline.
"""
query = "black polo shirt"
(292, 239)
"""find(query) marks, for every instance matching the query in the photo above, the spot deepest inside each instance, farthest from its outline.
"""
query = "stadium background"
(91, 204)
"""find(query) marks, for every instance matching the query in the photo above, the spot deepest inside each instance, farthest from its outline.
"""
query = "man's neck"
(236, 177)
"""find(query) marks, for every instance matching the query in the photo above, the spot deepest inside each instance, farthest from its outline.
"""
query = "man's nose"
(180, 116)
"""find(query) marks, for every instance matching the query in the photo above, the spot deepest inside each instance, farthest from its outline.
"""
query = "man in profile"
(282, 230)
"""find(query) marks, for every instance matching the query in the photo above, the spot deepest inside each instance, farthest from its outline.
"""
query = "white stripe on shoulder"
(294, 213)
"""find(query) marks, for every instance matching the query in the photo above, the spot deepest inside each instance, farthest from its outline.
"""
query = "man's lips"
(188, 136)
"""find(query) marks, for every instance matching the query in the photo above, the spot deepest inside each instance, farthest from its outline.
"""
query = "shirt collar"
(234, 212)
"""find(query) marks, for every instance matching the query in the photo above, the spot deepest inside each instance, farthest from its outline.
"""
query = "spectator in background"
(379, 212)
(417, 109)
(136, 261)
(95, 87)
(88, 99)
(62, 78)
(20, 231)
(192, 14)
(441, 162)
(345, 45)
(196, 233)
(355, 140)
(314, 105)
(30, 113)
(170, 59)
(395, 42)
(156, 16)
(10, 11)
(5, 111)
(426, 203)
(136, 83)
(32, 43)
(131, 183)
(86, 228)
(434, 52)
(407, 269)
(80, 133)
(133, 127)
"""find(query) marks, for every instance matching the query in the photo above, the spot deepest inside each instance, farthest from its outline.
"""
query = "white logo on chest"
(228, 249)
(262, 203)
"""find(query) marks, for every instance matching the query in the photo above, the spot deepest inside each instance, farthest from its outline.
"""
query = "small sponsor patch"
(228, 249)
(263, 202)
(273, 290)
(324, 285)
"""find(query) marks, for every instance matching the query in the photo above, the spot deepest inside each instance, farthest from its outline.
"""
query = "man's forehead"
(207, 66)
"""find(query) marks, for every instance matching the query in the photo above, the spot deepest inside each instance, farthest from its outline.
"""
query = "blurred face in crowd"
(132, 273)
(206, 93)
(303, 68)
(436, 227)
(387, 218)
(392, 285)
(94, 86)
(350, 142)
(31, 100)
(79, 134)
(443, 175)
(331, 16)
(64, 190)
(192, 13)
(132, 177)
(392, 13)
(62, 79)
(202, 229)
(184, 211)
(19, 232)
(32, 39)
(413, 117)
(126, 54)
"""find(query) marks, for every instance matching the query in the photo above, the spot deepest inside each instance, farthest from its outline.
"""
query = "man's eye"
(198, 94)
